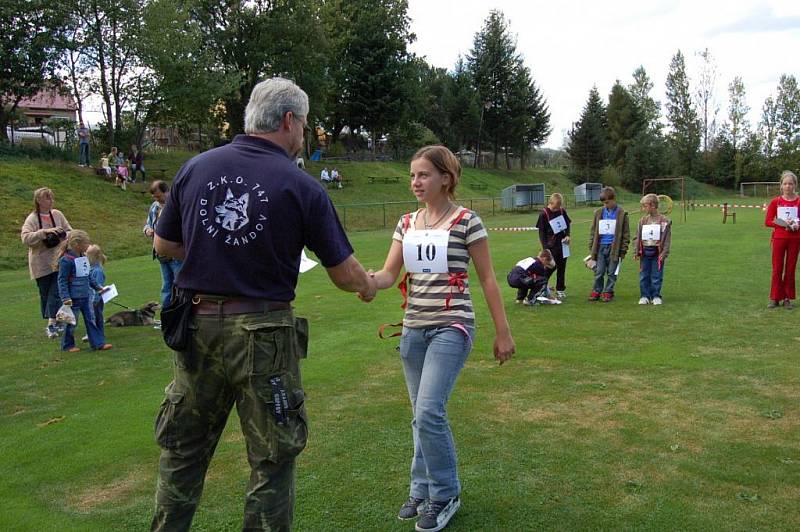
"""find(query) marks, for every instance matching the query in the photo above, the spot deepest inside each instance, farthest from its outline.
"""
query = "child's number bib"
(81, 266)
(558, 224)
(606, 227)
(787, 213)
(525, 263)
(651, 232)
(425, 251)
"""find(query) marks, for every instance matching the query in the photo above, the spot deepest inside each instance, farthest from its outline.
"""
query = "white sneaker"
(560, 294)
(644, 301)
(657, 300)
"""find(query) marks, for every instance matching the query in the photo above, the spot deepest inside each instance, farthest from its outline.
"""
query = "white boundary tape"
(513, 229)
(730, 206)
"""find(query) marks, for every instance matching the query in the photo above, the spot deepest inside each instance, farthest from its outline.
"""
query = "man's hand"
(372, 290)
(149, 232)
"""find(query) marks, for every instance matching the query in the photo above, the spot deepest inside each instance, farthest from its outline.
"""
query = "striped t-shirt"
(427, 292)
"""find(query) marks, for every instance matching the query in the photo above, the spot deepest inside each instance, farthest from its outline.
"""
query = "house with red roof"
(47, 104)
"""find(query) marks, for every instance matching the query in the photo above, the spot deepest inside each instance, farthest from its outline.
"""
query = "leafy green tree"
(647, 156)
(738, 125)
(29, 49)
(788, 120)
(685, 135)
(370, 64)
(768, 127)
(588, 140)
(707, 106)
(648, 109)
(492, 62)
(515, 114)
(623, 123)
(464, 109)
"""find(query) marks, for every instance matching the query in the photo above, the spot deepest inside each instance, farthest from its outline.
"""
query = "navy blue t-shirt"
(243, 213)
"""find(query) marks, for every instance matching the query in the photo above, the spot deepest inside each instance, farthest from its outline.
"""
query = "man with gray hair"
(239, 216)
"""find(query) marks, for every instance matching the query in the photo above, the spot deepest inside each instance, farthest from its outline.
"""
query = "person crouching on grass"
(652, 242)
(609, 237)
(74, 286)
(435, 245)
(530, 275)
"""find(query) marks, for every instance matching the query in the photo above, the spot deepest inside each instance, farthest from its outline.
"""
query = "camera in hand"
(54, 238)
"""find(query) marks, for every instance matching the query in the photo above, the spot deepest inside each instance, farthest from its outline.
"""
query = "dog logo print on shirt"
(232, 214)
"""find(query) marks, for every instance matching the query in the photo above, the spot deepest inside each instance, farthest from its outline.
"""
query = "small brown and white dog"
(127, 318)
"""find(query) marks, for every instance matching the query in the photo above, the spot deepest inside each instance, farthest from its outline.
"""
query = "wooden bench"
(478, 186)
(373, 179)
(727, 213)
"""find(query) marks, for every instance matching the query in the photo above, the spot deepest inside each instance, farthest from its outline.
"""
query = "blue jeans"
(605, 267)
(432, 359)
(97, 309)
(169, 272)
(651, 277)
(84, 154)
(97, 338)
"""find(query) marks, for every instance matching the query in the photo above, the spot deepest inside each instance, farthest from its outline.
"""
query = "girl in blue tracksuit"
(98, 277)
(75, 287)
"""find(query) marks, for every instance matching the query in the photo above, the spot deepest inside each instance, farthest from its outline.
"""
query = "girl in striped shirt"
(435, 245)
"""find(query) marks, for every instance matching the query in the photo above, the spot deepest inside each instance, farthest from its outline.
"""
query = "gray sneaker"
(772, 304)
(787, 304)
(437, 515)
(411, 508)
(51, 331)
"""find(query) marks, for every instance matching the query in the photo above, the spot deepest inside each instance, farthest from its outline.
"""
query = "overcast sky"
(570, 46)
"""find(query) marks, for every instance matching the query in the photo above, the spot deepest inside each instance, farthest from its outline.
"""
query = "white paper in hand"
(306, 263)
(564, 250)
(110, 293)
(619, 263)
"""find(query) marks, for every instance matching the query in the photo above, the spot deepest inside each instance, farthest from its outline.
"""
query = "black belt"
(211, 305)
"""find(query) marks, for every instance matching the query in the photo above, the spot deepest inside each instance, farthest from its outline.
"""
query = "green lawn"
(610, 416)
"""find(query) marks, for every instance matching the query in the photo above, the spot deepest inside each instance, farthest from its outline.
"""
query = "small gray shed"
(517, 196)
(588, 192)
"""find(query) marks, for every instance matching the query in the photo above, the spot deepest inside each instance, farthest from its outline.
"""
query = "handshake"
(368, 293)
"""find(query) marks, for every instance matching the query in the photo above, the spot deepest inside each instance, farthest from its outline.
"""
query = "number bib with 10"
(425, 251)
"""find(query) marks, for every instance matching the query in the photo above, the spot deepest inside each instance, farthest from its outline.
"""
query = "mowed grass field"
(609, 417)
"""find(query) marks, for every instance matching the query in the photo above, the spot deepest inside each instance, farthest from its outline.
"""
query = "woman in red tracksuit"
(782, 216)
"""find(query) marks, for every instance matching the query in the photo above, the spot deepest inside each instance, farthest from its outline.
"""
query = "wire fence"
(383, 215)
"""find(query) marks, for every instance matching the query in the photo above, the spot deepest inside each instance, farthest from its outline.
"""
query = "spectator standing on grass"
(136, 159)
(42, 231)
(170, 267)
(609, 237)
(652, 243)
(554, 226)
(83, 145)
(241, 240)
(782, 217)
(439, 324)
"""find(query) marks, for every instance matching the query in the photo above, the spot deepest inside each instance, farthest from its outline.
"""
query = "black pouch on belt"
(175, 319)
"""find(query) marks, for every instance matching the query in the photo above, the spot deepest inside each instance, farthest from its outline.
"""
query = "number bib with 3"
(425, 251)
(606, 227)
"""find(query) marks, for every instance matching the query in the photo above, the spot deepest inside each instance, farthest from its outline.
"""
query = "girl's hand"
(503, 347)
(565, 240)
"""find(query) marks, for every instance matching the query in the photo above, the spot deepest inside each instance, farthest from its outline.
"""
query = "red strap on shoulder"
(458, 218)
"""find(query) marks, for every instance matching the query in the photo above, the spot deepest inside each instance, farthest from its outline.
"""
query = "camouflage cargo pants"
(250, 360)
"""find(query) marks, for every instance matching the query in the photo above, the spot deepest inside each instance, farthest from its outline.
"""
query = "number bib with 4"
(425, 251)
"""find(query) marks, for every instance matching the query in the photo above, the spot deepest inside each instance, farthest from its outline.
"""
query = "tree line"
(623, 140)
(193, 63)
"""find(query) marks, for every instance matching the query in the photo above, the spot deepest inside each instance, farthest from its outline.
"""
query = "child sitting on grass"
(74, 289)
(530, 275)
